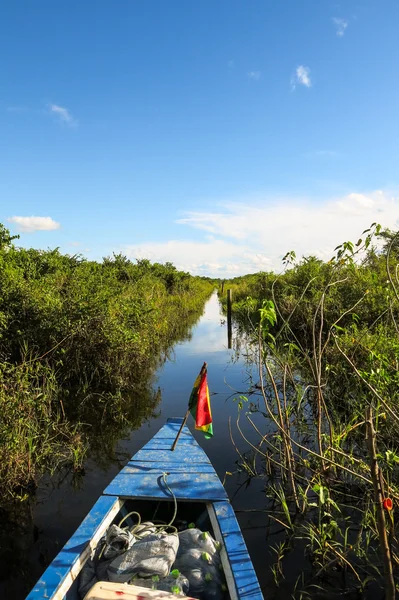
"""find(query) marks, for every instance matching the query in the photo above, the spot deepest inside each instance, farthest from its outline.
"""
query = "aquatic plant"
(326, 340)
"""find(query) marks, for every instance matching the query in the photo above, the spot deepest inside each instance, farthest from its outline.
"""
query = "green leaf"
(268, 313)
(333, 504)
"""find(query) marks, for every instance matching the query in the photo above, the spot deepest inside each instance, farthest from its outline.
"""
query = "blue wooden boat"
(140, 486)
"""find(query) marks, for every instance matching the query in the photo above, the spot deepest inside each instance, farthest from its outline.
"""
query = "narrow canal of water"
(60, 507)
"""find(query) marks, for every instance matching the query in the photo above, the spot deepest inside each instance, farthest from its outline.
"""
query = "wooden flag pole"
(180, 430)
(203, 368)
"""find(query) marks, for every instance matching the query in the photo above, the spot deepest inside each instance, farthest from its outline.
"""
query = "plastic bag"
(87, 578)
(117, 541)
(144, 529)
(175, 583)
(198, 559)
(201, 540)
(152, 555)
(95, 569)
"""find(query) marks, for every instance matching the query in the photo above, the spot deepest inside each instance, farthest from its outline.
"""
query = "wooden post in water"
(229, 333)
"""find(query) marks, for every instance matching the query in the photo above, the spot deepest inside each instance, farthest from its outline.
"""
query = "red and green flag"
(200, 405)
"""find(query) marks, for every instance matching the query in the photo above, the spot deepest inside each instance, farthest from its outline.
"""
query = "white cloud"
(253, 235)
(210, 257)
(340, 26)
(63, 114)
(30, 224)
(301, 77)
(254, 75)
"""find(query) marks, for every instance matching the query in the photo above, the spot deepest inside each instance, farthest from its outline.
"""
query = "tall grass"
(328, 381)
(79, 342)
(34, 435)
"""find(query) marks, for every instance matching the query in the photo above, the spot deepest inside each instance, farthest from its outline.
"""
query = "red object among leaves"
(387, 504)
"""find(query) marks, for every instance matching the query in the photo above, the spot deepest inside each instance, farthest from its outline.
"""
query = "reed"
(334, 493)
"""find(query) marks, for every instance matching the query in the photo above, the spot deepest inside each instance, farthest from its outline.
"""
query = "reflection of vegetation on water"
(79, 343)
(108, 417)
(328, 451)
(33, 432)
(17, 536)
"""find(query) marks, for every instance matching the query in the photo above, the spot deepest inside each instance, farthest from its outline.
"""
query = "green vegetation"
(79, 342)
(326, 341)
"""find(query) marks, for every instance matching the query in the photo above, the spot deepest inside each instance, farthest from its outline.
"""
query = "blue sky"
(216, 134)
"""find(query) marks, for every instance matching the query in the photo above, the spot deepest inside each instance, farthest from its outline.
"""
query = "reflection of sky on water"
(227, 377)
(209, 335)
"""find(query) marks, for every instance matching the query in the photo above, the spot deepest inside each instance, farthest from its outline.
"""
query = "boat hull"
(193, 482)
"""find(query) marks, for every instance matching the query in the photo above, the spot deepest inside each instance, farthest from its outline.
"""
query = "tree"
(6, 238)
(391, 241)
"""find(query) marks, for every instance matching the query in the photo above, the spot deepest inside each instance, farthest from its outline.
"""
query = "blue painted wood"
(244, 574)
(61, 565)
(187, 449)
(174, 421)
(178, 456)
(191, 477)
(166, 444)
(168, 467)
(171, 431)
(150, 485)
(167, 434)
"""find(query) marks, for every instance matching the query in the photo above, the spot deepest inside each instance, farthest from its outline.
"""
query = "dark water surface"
(59, 507)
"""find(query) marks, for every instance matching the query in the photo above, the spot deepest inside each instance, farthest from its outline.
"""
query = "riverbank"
(325, 344)
(79, 341)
